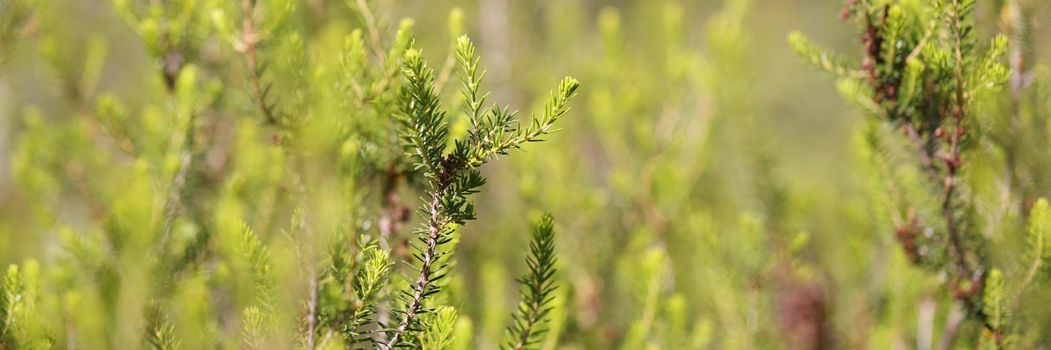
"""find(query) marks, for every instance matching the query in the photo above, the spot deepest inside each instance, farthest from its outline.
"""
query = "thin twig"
(527, 331)
(923, 42)
(952, 328)
(174, 200)
(312, 307)
(175, 196)
(436, 223)
(447, 69)
(953, 161)
(248, 45)
(922, 150)
(373, 27)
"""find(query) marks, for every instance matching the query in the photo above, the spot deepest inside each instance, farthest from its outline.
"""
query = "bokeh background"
(709, 187)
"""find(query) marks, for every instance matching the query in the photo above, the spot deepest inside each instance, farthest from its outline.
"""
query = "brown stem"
(312, 307)
(248, 45)
(436, 223)
(953, 161)
(926, 158)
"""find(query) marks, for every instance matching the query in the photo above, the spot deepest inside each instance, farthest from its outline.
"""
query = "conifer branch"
(439, 335)
(248, 45)
(953, 161)
(11, 296)
(455, 176)
(471, 78)
(826, 60)
(175, 190)
(538, 286)
(170, 50)
(496, 132)
(183, 144)
(160, 333)
(367, 284)
(426, 140)
(994, 310)
(256, 318)
(424, 284)
(18, 299)
(1037, 246)
(923, 82)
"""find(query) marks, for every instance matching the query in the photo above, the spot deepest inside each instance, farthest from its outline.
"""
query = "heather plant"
(681, 163)
(225, 189)
(190, 174)
(938, 142)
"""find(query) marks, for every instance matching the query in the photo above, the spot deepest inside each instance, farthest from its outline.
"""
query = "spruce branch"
(822, 58)
(426, 133)
(424, 119)
(496, 132)
(256, 318)
(258, 258)
(189, 106)
(452, 177)
(993, 308)
(160, 333)
(1037, 246)
(11, 299)
(538, 286)
(171, 49)
(19, 322)
(368, 283)
(254, 331)
(442, 324)
(471, 78)
(960, 33)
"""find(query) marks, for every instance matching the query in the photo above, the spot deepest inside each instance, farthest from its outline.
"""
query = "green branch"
(529, 321)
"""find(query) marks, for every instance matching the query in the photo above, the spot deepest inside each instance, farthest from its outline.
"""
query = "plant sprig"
(538, 287)
(453, 177)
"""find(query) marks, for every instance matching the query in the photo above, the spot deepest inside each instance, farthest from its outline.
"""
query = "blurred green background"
(709, 188)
